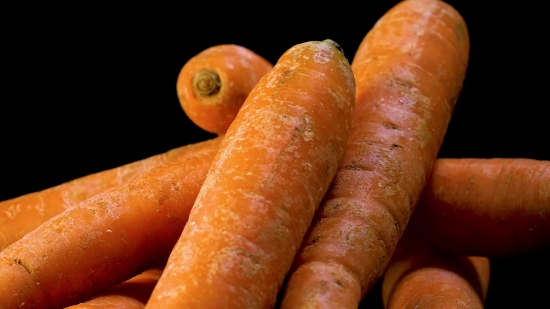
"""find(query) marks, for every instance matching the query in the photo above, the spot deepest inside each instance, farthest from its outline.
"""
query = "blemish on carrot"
(22, 264)
(13, 210)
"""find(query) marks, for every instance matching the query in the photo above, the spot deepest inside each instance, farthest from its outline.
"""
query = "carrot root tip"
(336, 45)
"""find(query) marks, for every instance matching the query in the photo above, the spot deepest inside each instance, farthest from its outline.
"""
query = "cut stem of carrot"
(213, 85)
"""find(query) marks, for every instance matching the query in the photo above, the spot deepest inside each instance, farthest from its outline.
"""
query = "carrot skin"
(430, 279)
(271, 172)
(487, 207)
(19, 216)
(104, 240)
(131, 294)
(213, 85)
(409, 71)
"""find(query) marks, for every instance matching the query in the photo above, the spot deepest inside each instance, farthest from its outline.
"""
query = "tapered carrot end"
(336, 45)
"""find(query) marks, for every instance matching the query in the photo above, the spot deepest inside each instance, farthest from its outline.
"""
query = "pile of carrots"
(322, 181)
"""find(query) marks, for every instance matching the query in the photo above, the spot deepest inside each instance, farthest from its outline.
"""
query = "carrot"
(132, 293)
(409, 71)
(19, 216)
(104, 240)
(272, 170)
(487, 207)
(213, 85)
(430, 279)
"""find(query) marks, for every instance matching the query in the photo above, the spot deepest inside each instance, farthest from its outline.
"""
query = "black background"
(89, 88)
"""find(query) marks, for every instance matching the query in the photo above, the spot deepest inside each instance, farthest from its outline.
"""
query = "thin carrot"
(272, 170)
(19, 216)
(409, 71)
(429, 279)
(487, 207)
(104, 240)
(131, 294)
(213, 85)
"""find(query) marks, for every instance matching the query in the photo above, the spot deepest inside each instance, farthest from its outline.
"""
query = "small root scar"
(22, 264)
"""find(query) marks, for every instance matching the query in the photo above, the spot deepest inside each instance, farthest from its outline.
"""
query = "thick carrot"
(487, 207)
(19, 216)
(430, 279)
(104, 240)
(213, 85)
(131, 294)
(273, 168)
(409, 71)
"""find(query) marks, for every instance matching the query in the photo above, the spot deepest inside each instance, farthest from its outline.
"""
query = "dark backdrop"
(86, 89)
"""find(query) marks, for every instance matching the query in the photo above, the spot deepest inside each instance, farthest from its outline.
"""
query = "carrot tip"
(206, 83)
(336, 45)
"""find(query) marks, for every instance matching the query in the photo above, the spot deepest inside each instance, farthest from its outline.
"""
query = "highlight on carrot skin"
(213, 85)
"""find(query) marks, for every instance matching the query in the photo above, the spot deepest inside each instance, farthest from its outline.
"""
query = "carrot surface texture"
(131, 294)
(19, 216)
(213, 85)
(487, 207)
(273, 168)
(409, 71)
(429, 279)
(103, 240)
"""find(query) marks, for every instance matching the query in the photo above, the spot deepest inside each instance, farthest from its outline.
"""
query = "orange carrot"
(488, 207)
(273, 168)
(132, 293)
(213, 85)
(104, 240)
(429, 279)
(409, 71)
(23, 214)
